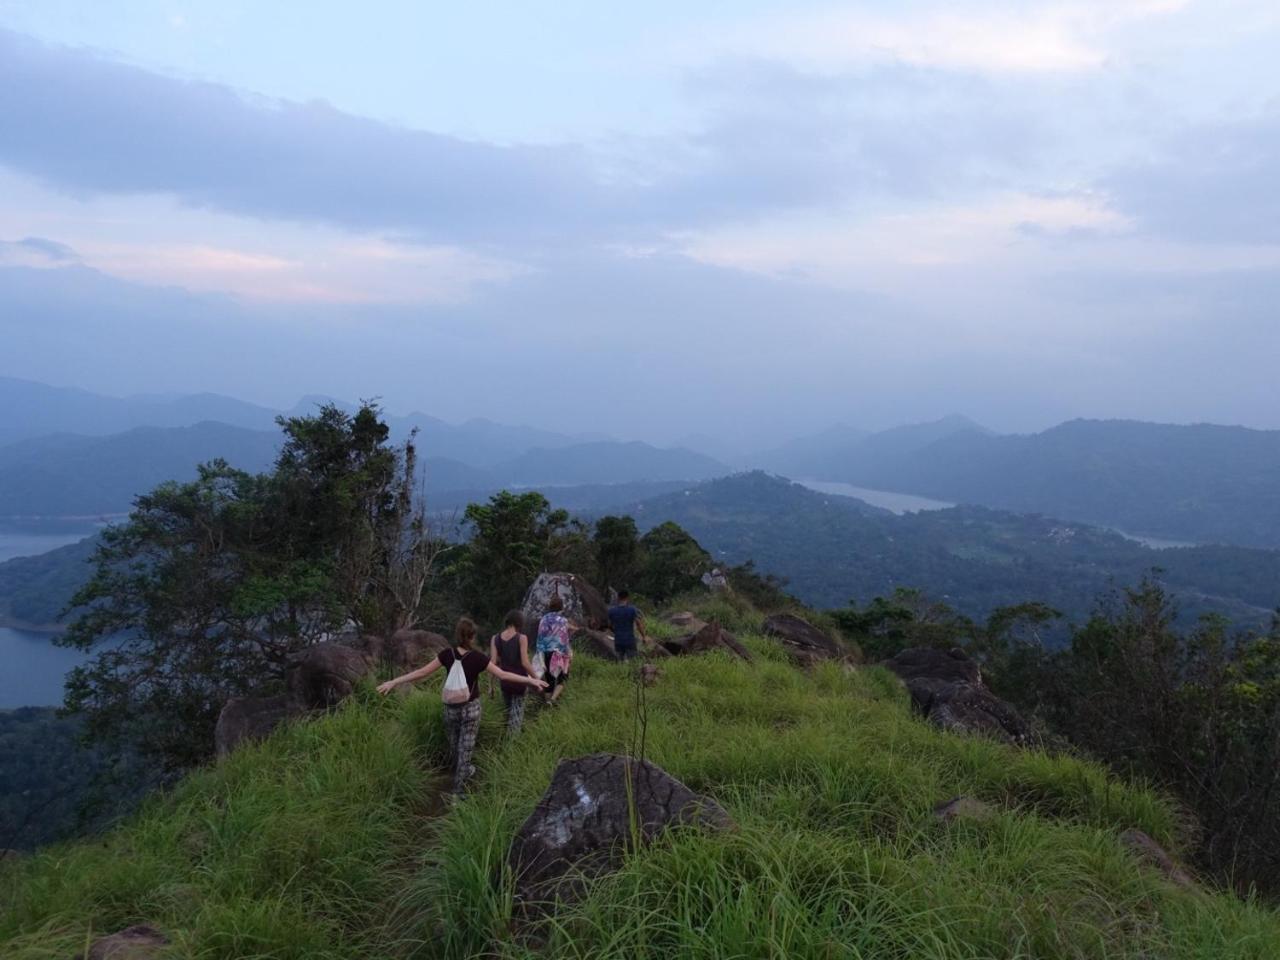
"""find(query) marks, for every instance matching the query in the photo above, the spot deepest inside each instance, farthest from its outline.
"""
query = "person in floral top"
(554, 633)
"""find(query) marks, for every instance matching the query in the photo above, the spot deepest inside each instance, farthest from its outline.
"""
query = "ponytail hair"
(464, 634)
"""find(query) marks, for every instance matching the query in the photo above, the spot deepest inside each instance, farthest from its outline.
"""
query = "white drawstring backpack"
(456, 689)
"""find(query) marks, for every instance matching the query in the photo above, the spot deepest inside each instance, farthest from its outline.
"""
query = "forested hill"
(836, 549)
(1201, 483)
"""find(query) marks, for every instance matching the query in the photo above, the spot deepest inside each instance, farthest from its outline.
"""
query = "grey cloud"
(773, 138)
(1211, 184)
(49, 250)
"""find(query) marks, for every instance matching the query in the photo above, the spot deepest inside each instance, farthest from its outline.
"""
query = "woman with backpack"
(462, 694)
(510, 650)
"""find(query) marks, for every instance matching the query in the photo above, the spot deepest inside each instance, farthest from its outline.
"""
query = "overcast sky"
(682, 217)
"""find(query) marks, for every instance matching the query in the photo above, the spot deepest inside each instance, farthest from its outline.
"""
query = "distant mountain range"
(31, 410)
(64, 475)
(835, 549)
(1200, 483)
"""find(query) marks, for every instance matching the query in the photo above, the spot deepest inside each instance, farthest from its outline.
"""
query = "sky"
(743, 220)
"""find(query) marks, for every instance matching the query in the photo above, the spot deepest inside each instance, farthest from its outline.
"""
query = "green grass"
(326, 840)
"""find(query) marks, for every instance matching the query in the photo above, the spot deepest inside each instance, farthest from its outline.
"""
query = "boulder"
(716, 581)
(963, 808)
(802, 640)
(251, 718)
(584, 823)
(1154, 855)
(322, 674)
(410, 649)
(712, 636)
(649, 674)
(582, 602)
(953, 666)
(946, 688)
(132, 943)
(687, 620)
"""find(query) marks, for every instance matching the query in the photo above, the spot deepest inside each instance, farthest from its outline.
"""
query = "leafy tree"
(617, 548)
(211, 584)
(672, 562)
(514, 537)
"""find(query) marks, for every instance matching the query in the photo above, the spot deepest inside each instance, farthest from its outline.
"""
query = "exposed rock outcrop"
(716, 581)
(251, 718)
(963, 808)
(802, 640)
(582, 602)
(316, 677)
(947, 688)
(583, 824)
(711, 636)
(322, 674)
(132, 943)
(687, 620)
(1154, 855)
(410, 649)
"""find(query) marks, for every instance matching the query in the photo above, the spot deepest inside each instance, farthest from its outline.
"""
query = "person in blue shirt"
(625, 620)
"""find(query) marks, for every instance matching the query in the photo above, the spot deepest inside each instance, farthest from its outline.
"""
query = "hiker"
(554, 631)
(510, 651)
(462, 720)
(625, 621)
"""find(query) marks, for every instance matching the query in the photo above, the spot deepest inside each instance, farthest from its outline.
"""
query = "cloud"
(36, 252)
(1211, 182)
(771, 138)
(999, 38)
(89, 125)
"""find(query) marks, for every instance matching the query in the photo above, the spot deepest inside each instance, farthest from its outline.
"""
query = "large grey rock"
(946, 688)
(802, 640)
(582, 602)
(323, 674)
(132, 943)
(1152, 854)
(410, 649)
(251, 718)
(584, 823)
(711, 636)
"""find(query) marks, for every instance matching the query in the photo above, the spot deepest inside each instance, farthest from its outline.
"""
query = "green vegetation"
(1203, 483)
(833, 550)
(210, 585)
(51, 784)
(326, 841)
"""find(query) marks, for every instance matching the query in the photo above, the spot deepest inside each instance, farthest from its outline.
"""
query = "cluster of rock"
(946, 688)
(700, 637)
(317, 678)
(594, 810)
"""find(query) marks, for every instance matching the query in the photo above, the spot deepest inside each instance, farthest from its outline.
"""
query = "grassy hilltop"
(329, 840)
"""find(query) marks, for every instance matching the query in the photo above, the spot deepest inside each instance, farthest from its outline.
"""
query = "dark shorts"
(625, 651)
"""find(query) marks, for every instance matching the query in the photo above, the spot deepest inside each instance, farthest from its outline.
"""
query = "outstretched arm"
(412, 677)
(501, 674)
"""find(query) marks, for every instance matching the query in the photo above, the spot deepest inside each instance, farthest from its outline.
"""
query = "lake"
(900, 503)
(32, 669)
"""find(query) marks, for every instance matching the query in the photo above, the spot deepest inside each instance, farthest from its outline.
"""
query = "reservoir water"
(31, 667)
(898, 503)
(901, 503)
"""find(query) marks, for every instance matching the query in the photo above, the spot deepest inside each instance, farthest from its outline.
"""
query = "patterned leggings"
(461, 724)
(515, 711)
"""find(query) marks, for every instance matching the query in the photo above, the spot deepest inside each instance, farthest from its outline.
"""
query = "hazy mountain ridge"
(1202, 483)
(836, 549)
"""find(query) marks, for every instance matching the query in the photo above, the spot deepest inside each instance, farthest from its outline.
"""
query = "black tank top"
(509, 660)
